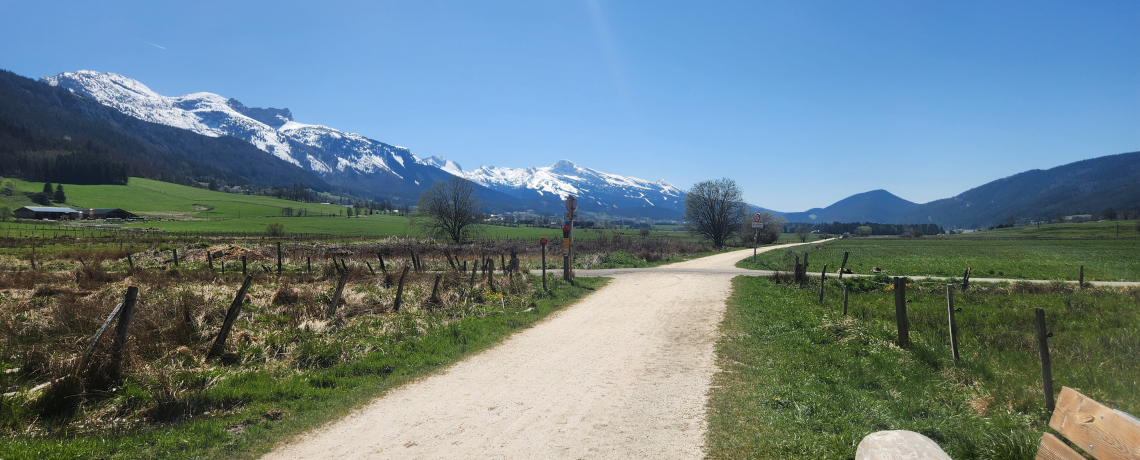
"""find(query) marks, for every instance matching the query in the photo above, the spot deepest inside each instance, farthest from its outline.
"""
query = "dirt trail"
(624, 373)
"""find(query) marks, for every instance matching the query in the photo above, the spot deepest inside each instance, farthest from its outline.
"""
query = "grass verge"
(1104, 260)
(800, 380)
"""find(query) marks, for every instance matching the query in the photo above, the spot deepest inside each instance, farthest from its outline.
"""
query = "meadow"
(1020, 254)
(799, 379)
(163, 199)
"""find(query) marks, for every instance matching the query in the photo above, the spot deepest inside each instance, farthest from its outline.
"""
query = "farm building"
(39, 213)
(108, 213)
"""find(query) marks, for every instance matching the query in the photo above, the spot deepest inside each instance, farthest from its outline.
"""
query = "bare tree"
(802, 233)
(449, 209)
(714, 210)
(768, 234)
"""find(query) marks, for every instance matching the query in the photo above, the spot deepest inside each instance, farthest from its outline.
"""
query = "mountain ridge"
(353, 160)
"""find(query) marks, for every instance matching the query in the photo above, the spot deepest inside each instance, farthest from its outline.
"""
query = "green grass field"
(150, 196)
(1106, 229)
(800, 380)
(1104, 260)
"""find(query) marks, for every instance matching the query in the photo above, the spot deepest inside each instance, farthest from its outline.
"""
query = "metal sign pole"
(757, 225)
(755, 243)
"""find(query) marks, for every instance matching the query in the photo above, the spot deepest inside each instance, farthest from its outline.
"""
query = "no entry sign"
(756, 221)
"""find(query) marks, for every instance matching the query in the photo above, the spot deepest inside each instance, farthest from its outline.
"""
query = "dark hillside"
(873, 206)
(45, 131)
(1083, 187)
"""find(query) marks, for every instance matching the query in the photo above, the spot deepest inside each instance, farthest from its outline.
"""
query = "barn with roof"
(108, 213)
(45, 212)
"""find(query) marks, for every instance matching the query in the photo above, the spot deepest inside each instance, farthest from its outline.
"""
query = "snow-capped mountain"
(353, 160)
(339, 157)
(595, 190)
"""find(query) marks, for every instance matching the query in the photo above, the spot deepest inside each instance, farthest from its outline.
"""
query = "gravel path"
(624, 373)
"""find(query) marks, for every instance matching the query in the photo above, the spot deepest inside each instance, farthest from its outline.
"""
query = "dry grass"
(48, 316)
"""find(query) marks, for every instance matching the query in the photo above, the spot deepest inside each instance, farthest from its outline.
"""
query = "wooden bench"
(1102, 432)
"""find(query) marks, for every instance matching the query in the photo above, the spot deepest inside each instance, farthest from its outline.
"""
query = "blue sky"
(802, 103)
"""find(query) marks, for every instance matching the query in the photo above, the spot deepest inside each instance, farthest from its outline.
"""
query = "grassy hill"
(153, 197)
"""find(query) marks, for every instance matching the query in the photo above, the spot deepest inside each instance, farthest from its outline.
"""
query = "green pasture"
(1088, 230)
(1104, 260)
(151, 196)
(799, 379)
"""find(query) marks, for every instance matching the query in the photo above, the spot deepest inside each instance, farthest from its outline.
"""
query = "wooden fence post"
(1046, 367)
(1081, 283)
(843, 265)
(175, 251)
(130, 261)
(210, 259)
(95, 340)
(231, 316)
(340, 282)
(953, 323)
(491, 273)
(121, 326)
(965, 279)
(400, 291)
(383, 268)
(370, 270)
(822, 278)
(434, 299)
(308, 264)
(544, 267)
(278, 257)
(243, 265)
(845, 291)
(474, 270)
(900, 312)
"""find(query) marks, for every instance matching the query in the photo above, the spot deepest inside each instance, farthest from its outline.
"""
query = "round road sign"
(571, 203)
(756, 218)
(542, 241)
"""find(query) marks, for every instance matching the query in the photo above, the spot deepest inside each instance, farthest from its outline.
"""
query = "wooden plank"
(1052, 448)
(1095, 428)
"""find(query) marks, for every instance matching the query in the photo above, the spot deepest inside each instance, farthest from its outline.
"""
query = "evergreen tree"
(47, 188)
(59, 196)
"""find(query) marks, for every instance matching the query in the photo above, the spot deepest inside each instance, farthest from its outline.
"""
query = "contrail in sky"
(152, 44)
